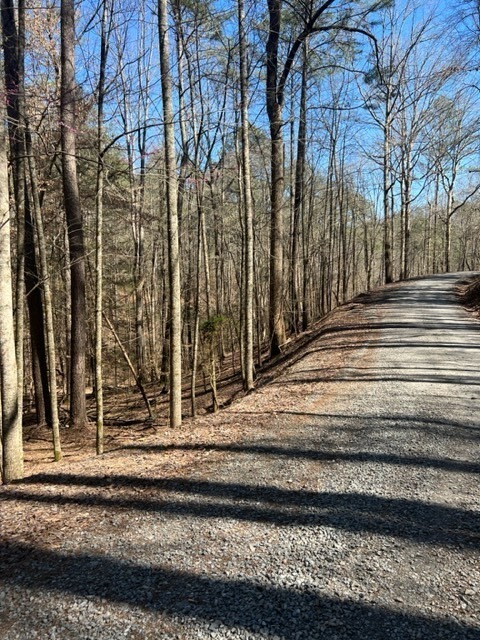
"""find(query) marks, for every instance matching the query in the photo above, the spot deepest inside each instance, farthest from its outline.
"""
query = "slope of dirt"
(127, 423)
(469, 293)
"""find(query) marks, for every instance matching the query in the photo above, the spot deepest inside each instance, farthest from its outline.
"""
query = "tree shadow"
(375, 344)
(406, 324)
(318, 455)
(372, 374)
(286, 612)
(437, 426)
(421, 522)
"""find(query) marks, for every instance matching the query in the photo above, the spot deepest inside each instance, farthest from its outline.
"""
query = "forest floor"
(126, 417)
(338, 501)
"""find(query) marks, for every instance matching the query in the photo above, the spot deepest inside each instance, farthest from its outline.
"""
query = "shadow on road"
(355, 374)
(316, 455)
(421, 522)
(287, 613)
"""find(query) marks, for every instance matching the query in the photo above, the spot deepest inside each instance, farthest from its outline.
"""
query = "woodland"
(190, 183)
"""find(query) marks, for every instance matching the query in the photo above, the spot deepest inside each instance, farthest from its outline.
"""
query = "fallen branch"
(138, 382)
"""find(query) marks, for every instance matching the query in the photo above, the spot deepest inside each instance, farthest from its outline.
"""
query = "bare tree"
(172, 222)
(453, 139)
(11, 426)
(248, 204)
(104, 47)
(47, 294)
(68, 98)
(13, 41)
(343, 19)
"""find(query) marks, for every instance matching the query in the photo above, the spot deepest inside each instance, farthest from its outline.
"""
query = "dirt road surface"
(347, 505)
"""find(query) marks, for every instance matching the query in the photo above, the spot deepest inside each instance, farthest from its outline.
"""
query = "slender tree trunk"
(241, 219)
(208, 290)
(277, 173)
(259, 311)
(342, 199)
(306, 234)
(205, 252)
(196, 321)
(448, 226)
(14, 49)
(67, 317)
(387, 188)
(136, 221)
(298, 204)
(184, 161)
(406, 200)
(331, 225)
(47, 295)
(78, 412)
(194, 370)
(427, 243)
(139, 283)
(37, 329)
(99, 232)
(406, 230)
(248, 204)
(435, 220)
(182, 177)
(11, 425)
(172, 223)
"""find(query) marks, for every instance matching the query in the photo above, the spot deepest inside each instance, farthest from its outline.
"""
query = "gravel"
(350, 512)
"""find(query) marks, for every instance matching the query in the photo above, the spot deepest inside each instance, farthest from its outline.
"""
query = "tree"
(11, 426)
(13, 41)
(383, 104)
(175, 310)
(345, 20)
(453, 139)
(104, 46)
(47, 294)
(248, 204)
(68, 128)
(299, 197)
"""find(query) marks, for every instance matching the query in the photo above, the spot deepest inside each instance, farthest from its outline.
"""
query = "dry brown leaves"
(134, 448)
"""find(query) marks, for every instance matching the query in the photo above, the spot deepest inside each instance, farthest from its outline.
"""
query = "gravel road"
(351, 510)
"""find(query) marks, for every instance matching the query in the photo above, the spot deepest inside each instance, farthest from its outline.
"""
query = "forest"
(188, 182)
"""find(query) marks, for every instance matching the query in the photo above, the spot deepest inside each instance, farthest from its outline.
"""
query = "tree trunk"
(448, 223)
(37, 329)
(277, 173)
(78, 413)
(248, 204)
(11, 426)
(47, 295)
(298, 204)
(99, 232)
(196, 321)
(387, 187)
(172, 223)
(435, 220)
(14, 50)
